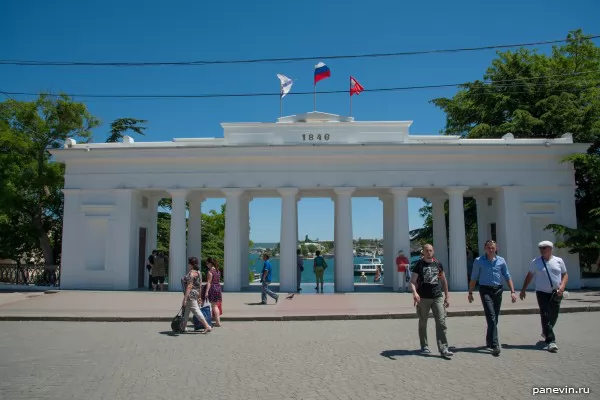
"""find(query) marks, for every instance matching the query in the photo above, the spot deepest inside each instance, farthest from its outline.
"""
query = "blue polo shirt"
(488, 272)
(267, 267)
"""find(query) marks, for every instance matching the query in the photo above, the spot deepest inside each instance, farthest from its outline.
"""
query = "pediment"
(314, 117)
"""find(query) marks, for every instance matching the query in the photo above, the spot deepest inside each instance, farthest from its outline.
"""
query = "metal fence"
(30, 274)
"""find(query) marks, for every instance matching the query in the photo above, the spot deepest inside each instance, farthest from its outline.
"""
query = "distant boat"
(368, 267)
(328, 256)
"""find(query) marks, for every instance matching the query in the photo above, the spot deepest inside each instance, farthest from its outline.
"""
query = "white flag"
(286, 84)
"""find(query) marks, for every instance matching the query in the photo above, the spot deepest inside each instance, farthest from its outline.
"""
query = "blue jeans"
(266, 291)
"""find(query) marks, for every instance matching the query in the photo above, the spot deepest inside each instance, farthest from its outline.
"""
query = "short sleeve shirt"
(267, 267)
(428, 280)
(556, 267)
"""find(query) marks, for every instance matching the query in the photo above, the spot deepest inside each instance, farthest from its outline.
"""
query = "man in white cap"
(551, 279)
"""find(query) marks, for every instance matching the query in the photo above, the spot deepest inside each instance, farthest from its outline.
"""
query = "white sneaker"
(552, 348)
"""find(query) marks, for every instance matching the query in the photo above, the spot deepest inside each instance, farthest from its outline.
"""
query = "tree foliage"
(120, 126)
(31, 203)
(534, 95)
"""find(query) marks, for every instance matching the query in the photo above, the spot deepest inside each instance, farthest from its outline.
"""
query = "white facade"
(112, 191)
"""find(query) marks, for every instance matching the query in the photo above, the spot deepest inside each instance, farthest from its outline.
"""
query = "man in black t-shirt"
(428, 284)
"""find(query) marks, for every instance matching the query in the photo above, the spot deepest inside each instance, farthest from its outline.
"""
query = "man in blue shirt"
(265, 279)
(489, 270)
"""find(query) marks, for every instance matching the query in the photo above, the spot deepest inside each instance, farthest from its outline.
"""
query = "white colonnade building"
(112, 191)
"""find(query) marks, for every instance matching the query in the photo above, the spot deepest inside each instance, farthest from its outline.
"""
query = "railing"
(30, 274)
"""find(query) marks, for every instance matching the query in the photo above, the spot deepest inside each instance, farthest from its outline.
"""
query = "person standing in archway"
(300, 268)
(319, 266)
(403, 264)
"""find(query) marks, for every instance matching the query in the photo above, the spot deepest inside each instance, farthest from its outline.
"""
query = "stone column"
(244, 239)
(569, 219)
(482, 222)
(344, 259)
(389, 257)
(195, 227)
(72, 256)
(296, 242)
(153, 228)
(440, 237)
(177, 243)
(123, 235)
(152, 232)
(458, 243)
(401, 230)
(511, 222)
(287, 254)
(232, 264)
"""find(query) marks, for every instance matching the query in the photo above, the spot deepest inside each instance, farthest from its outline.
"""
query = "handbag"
(176, 322)
(206, 311)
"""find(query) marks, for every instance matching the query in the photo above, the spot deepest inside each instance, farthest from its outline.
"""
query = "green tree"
(120, 126)
(540, 96)
(31, 198)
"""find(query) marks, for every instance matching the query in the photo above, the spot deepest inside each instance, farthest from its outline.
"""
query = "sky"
(151, 31)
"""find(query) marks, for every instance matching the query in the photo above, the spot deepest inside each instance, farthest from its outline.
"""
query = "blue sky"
(154, 31)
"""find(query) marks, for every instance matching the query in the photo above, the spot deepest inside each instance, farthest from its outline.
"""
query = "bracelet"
(513, 292)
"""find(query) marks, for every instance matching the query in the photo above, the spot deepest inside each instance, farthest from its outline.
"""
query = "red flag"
(355, 87)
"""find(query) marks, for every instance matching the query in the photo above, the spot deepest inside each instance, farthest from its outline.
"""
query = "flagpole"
(350, 96)
(315, 96)
(280, 106)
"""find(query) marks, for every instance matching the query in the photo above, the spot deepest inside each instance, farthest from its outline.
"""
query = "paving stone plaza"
(354, 359)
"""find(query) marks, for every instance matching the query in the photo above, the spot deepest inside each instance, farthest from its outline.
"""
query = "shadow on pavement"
(392, 354)
(538, 346)
(258, 304)
(169, 333)
(478, 349)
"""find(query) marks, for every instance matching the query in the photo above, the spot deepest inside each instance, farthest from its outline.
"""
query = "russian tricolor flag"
(321, 72)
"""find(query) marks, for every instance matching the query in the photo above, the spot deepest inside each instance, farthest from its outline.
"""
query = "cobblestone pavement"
(293, 360)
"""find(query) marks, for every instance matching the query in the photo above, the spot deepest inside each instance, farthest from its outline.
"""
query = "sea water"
(256, 264)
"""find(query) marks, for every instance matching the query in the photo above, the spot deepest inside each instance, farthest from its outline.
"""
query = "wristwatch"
(513, 292)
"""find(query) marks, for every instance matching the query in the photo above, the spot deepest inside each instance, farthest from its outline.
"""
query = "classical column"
(123, 235)
(344, 259)
(153, 228)
(195, 227)
(401, 230)
(440, 237)
(177, 243)
(72, 255)
(389, 257)
(458, 244)
(244, 239)
(569, 219)
(511, 225)
(231, 266)
(296, 240)
(482, 222)
(287, 254)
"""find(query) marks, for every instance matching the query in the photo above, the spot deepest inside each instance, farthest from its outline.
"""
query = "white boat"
(368, 267)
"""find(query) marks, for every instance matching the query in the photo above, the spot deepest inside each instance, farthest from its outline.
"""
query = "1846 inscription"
(315, 137)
